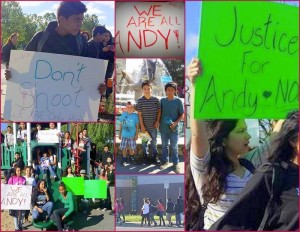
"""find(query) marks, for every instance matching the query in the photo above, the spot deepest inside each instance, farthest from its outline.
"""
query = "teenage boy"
(61, 36)
(148, 108)
(128, 132)
(171, 115)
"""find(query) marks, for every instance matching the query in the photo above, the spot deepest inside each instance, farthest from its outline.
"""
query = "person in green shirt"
(59, 215)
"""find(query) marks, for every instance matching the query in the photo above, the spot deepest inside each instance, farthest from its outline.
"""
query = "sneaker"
(132, 160)
(123, 164)
(176, 168)
(164, 165)
(103, 210)
(156, 161)
(112, 212)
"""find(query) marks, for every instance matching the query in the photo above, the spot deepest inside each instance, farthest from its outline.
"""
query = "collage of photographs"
(149, 115)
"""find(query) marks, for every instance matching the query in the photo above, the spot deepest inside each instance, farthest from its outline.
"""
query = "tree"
(176, 70)
(12, 21)
(89, 22)
(101, 133)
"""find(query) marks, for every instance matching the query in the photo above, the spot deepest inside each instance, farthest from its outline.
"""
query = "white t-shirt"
(145, 208)
(30, 181)
(235, 184)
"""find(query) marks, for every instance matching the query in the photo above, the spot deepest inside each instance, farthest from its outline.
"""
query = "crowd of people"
(149, 115)
(149, 210)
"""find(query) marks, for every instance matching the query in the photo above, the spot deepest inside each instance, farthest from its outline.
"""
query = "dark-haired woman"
(59, 216)
(270, 199)
(10, 45)
(160, 210)
(18, 215)
(41, 201)
(217, 175)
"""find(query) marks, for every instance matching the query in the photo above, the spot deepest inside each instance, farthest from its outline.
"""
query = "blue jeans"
(50, 168)
(173, 138)
(46, 208)
(178, 222)
(153, 134)
(18, 220)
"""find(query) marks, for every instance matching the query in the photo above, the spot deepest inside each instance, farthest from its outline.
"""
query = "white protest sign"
(149, 29)
(53, 87)
(48, 136)
(15, 196)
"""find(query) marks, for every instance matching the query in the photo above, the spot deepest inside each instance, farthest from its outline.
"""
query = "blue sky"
(103, 9)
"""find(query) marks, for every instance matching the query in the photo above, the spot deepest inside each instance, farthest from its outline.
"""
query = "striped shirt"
(149, 109)
(235, 184)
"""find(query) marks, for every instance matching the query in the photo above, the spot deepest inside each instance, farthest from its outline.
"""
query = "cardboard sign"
(53, 87)
(16, 197)
(48, 136)
(250, 61)
(149, 29)
(95, 189)
(74, 184)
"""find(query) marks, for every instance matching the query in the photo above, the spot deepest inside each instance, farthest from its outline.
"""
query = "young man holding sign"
(61, 36)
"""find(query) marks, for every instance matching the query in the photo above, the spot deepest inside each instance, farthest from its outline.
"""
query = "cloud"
(192, 41)
(24, 4)
(45, 12)
(110, 4)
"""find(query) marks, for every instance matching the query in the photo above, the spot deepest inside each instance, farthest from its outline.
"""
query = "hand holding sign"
(42, 89)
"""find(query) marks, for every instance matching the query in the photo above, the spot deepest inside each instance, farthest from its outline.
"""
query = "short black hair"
(146, 83)
(172, 85)
(9, 127)
(98, 30)
(68, 9)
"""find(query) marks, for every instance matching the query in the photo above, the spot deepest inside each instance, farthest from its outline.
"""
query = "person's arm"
(199, 140)
(143, 129)
(54, 160)
(156, 125)
(136, 132)
(11, 180)
(71, 205)
(139, 110)
(120, 131)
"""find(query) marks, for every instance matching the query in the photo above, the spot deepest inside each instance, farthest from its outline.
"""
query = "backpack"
(199, 224)
(45, 36)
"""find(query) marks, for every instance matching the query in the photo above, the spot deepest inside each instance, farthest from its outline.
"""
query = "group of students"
(230, 186)
(42, 206)
(152, 114)
(149, 210)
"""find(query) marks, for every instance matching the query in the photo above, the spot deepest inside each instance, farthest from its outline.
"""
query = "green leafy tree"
(176, 70)
(89, 22)
(12, 21)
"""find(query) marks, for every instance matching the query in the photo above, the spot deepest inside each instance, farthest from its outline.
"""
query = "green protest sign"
(74, 184)
(250, 57)
(95, 189)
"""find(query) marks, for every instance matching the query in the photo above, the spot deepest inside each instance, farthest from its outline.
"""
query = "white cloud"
(30, 3)
(45, 12)
(110, 4)
(55, 6)
(192, 42)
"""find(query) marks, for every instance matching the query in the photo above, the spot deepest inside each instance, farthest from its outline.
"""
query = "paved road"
(151, 168)
(96, 220)
(135, 226)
